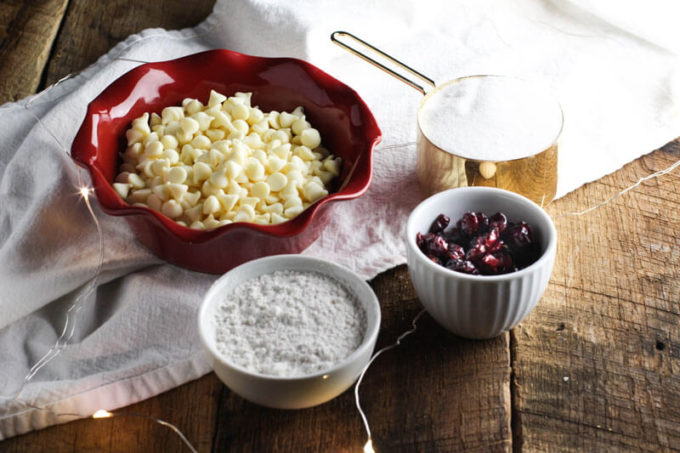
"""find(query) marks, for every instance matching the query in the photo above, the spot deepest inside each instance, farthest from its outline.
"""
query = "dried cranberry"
(435, 245)
(492, 240)
(440, 224)
(462, 266)
(468, 224)
(483, 221)
(496, 263)
(420, 241)
(498, 220)
(456, 250)
(477, 249)
(518, 236)
(454, 235)
(455, 253)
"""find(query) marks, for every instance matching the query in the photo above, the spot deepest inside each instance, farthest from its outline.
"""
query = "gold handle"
(336, 34)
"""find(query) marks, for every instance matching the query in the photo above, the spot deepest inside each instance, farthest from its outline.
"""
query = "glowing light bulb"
(368, 447)
(85, 192)
(101, 413)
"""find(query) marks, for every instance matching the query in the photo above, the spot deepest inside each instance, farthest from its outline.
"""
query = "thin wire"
(85, 192)
(71, 321)
(108, 414)
(375, 356)
(656, 174)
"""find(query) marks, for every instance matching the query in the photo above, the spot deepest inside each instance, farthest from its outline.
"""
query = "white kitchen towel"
(613, 64)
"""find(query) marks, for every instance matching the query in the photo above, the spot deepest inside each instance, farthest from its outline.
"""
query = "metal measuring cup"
(437, 169)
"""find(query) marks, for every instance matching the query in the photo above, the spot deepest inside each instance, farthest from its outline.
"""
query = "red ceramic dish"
(346, 125)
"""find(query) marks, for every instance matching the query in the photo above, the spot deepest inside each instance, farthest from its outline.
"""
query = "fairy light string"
(85, 192)
(368, 446)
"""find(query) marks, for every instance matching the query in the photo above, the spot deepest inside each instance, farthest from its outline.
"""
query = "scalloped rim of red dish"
(112, 204)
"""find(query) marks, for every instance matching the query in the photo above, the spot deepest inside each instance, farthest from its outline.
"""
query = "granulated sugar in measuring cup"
(485, 130)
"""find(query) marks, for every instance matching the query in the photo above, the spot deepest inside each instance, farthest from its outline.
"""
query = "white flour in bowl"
(289, 323)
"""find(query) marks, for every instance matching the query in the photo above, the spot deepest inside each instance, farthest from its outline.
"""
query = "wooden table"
(596, 367)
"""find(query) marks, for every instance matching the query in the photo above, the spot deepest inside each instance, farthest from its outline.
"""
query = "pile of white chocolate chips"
(208, 166)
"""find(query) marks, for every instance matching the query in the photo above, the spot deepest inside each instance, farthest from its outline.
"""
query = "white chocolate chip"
(286, 119)
(216, 98)
(228, 201)
(154, 202)
(197, 225)
(172, 209)
(300, 125)
(260, 189)
(202, 171)
(310, 138)
(201, 142)
(313, 191)
(122, 189)
(211, 205)
(135, 181)
(254, 169)
(171, 114)
(277, 218)
(293, 211)
(219, 180)
(177, 175)
(277, 181)
(189, 125)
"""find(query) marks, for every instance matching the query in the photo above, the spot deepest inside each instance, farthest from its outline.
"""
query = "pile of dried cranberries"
(478, 244)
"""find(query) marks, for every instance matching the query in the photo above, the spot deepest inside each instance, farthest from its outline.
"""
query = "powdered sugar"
(289, 323)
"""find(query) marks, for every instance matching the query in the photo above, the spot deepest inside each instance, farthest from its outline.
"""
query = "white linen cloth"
(614, 65)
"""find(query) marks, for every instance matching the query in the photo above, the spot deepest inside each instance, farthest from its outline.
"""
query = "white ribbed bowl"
(479, 306)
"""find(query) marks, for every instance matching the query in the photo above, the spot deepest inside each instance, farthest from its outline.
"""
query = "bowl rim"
(280, 262)
(546, 258)
(292, 227)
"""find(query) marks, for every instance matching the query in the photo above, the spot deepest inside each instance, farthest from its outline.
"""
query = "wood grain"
(597, 365)
(91, 28)
(27, 30)
(435, 392)
(191, 407)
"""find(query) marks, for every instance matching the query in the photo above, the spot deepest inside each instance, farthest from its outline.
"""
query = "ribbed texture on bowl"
(476, 306)
(477, 309)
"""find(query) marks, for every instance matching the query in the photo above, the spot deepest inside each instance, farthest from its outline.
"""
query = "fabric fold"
(133, 335)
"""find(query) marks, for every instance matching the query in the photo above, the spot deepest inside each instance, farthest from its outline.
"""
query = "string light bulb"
(85, 193)
(368, 447)
(101, 413)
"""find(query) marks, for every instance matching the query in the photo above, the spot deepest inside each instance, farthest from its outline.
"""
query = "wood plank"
(436, 392)
(191, 407)
(597, 365)
(27, 31)
(92, 28)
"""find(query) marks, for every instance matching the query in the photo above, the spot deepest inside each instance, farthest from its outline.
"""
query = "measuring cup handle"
(343, 34)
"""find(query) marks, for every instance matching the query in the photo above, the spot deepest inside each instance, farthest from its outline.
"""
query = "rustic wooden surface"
(27, 31)
(596, 367)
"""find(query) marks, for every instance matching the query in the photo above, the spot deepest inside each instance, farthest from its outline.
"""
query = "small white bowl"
(479, 306)
(289, 392)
